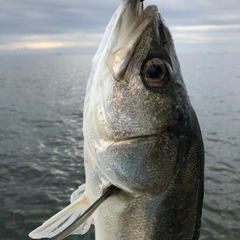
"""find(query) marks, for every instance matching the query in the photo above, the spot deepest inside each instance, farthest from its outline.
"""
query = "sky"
(77, 26)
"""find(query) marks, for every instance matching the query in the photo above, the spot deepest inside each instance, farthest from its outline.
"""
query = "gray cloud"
(61, 19)
(44, 17)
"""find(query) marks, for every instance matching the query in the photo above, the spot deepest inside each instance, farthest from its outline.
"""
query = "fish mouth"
(131, 22)
(140, 8)
(134, 8)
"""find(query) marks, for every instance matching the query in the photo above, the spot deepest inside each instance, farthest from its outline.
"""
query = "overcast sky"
(33, 26)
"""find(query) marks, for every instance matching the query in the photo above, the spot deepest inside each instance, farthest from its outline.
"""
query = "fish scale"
(143, 149)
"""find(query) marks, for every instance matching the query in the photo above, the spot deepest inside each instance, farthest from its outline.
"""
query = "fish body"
(141, 135)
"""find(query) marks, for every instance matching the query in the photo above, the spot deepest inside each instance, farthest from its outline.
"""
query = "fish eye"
(155, 72)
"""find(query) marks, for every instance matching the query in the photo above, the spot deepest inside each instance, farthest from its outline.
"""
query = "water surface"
(41, 153)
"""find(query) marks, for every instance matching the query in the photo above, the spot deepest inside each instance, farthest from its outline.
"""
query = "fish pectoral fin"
(60, 221)
(76, 218)
(77, 194)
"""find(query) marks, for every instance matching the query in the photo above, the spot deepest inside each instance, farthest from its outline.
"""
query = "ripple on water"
(41, 154)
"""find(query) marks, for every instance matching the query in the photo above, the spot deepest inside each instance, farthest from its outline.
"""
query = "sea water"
(41, 139)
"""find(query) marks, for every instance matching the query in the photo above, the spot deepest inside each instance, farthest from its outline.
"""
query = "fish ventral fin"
(76, 218)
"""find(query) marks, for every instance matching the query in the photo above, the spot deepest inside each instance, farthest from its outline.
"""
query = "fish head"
(137, 111)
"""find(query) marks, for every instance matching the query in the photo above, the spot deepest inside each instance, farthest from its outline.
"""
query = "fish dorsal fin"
(77, 215)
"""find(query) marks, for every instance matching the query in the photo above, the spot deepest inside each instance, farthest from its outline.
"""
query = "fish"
(143, 147)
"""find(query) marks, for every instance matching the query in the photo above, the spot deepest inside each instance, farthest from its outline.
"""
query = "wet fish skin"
(143, 149)
(145, 140)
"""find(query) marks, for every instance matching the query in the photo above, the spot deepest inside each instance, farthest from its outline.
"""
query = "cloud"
(42, 24)
(34, 17)
(207, 33)
(80, 41)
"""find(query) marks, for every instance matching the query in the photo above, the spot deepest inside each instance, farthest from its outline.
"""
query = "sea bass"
(143, 149)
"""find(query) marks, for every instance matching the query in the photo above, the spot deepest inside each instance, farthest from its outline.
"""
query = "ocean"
(41, 139)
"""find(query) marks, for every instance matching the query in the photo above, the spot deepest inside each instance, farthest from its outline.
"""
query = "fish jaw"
(130, 28)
